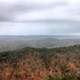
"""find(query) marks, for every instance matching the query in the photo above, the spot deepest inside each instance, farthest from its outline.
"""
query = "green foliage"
(52, 78)
(69, 78)
(63, 78)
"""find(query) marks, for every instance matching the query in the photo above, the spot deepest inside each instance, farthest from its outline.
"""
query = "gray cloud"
(19, 17)
(9, 11)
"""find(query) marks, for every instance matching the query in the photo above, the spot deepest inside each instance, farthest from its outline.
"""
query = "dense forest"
(41, 64)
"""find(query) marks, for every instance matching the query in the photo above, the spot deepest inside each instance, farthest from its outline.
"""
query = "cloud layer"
(32, 10)
(19, 17)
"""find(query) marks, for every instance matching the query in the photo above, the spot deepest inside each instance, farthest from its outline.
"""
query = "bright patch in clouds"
(39, 28)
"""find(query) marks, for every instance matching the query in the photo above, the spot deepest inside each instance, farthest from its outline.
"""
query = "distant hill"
(18, 42)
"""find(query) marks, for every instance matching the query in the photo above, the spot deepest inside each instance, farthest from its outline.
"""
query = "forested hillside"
(41, 64)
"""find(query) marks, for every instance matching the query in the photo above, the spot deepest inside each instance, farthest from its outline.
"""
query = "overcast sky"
(39, 17)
